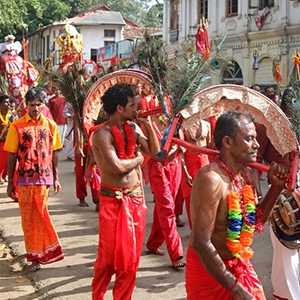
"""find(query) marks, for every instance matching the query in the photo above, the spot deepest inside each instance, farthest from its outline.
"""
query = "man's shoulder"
(19, 121)
(209, 173)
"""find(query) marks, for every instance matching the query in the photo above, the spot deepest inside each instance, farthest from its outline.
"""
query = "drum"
(287, 213)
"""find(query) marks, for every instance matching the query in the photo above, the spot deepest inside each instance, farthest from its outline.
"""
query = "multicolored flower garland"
(241, 216)
(120, 143)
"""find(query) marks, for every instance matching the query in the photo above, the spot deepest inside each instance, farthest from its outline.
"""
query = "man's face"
(245, 145)
(4, 106)
(10, 41)
(130, 108)
(270, 93)
(257, 88)
(34, 108)
(12, 105)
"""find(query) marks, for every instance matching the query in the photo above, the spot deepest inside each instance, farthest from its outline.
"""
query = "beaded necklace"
(123, 152)
(241, 215)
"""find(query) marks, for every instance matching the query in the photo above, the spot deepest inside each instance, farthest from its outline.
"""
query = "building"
(99, 26)
(270, 26)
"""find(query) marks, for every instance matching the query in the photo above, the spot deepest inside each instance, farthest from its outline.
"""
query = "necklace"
(123, 152)
(241, 215)
(5, 122)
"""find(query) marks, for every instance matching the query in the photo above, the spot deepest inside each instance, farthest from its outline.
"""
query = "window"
(107, 43)
(203, 9)
(232, 8)
(94, 55)
(261, 4)
(174, 14)
(233, 75)
(109, 33)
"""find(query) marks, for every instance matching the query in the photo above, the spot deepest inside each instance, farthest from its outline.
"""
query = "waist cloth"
(201, 285)
(122, 222)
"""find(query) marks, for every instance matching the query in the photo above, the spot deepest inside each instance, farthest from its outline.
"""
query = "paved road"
(78, 230)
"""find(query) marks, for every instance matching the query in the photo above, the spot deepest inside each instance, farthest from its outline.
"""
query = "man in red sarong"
(200, 135)
(122, 212)
(33, 141)
(225, 212)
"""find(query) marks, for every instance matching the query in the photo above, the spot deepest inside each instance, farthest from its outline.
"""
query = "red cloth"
(179, 202)
(201, 285)
(121, 234)
(4, 159)
(45, 111)
(267, 150)
(94, 178)
(193, 162)
(56, 106)
(81, 182)
(164, 181)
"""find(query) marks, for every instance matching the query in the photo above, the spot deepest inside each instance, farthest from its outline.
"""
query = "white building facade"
(278, 36)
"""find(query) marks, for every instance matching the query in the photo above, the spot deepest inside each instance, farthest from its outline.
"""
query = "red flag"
(202, 41)
(260, 19)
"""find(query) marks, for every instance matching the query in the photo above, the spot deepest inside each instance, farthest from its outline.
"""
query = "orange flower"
(246, 238)
(234, 246)
(233, 200)
(247, 253)
(248, 195)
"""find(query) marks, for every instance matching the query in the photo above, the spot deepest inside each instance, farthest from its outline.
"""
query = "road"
(77, 228)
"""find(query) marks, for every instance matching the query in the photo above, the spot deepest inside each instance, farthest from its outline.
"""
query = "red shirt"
(56, 106)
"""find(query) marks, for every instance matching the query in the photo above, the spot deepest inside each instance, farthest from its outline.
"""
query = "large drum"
(287, 213)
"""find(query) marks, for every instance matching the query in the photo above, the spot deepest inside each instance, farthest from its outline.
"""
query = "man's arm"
(206, 198)
(12, 159)
(103, 142)
(149, 144)
(56, 183)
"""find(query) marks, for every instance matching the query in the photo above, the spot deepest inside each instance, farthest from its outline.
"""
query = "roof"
(129, 33)
(100, 18)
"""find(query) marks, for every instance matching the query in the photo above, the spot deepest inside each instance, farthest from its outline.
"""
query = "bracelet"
(10, 180)
(259, 197)
(236, 281)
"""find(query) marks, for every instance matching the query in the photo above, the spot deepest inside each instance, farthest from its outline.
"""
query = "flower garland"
(241, 216)
(120, 143)
(5, 122)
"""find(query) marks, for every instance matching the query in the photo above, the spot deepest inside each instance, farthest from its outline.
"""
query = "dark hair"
(227, 125)
(34, 93)
(12, 99)
(287, 96)
(268, 87)
(42, 88)
(3, 97)
(114, 96)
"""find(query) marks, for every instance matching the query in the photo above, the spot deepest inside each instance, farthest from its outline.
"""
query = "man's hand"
(56, 186)
(79, 152)
(145, 120)
(277, 175)
(188, 179)
(11, 189)
(240, 293)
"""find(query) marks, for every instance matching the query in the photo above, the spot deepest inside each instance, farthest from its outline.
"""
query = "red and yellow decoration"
(202, 40)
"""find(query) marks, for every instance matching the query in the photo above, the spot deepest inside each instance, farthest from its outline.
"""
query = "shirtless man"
(200, 135)
(122, 212)
(211, 269)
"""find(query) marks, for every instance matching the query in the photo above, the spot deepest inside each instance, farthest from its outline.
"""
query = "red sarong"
(41, 240)
(3, 160)
(122, 222)
(201, 285)
(193, 162)
(164, 181)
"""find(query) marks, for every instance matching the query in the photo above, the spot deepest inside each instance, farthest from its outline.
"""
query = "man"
(122, 212)
(200, 135)
(5, 114)
(217, 257)
(44, 109)
(269, 91)
(10, 47)
(56, 106)
(256, 88)
(285, 274)
(33, 141)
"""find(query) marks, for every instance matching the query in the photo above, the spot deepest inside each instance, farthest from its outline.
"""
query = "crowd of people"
(224, 204)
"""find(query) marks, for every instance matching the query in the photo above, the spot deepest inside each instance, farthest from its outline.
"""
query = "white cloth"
(62, 132)
(10, 48)
(285, 271)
